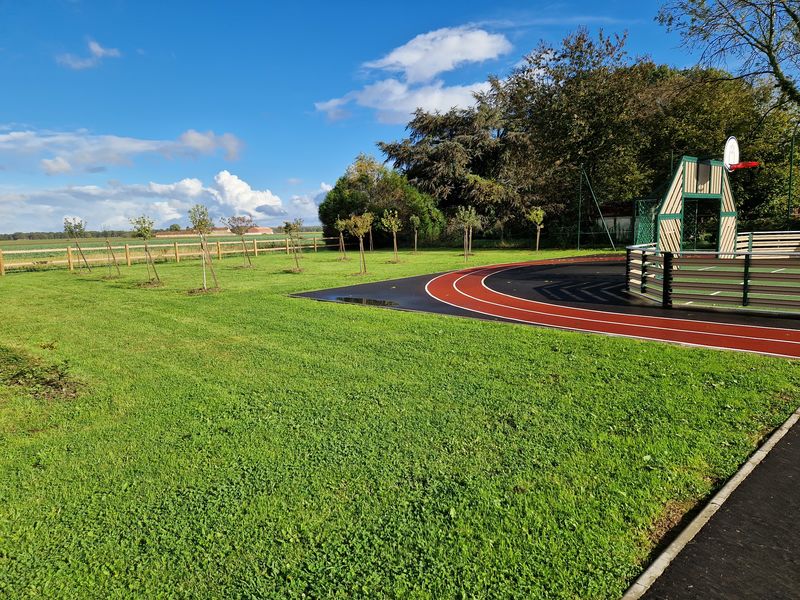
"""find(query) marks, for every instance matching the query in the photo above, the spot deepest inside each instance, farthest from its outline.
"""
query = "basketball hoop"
(730, 157)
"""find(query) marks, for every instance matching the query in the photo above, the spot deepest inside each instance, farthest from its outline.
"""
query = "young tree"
(359, 226)
(240, 226)
(340, 225)
(415, 223)
(292, 230)
(143, 229)
(202, 224)
(111, 257)
(467, 219)
(75, 228)
(390, 221)
(536, 216)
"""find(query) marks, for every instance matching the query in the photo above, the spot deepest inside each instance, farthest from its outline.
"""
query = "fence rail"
(759, 278)
(72, 257)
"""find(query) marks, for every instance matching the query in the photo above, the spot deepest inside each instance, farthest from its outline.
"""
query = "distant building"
(216, 231)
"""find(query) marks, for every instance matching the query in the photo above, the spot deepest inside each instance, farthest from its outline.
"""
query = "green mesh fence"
(644, 227)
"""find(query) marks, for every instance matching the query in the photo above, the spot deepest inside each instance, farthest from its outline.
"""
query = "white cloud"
(420, 61)
(112, 205)
(435, 52)
(61, 152)
(96, 54)
(306, 206)
(236, 193)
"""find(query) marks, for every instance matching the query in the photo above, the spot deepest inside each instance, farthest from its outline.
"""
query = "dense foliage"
(587, 103)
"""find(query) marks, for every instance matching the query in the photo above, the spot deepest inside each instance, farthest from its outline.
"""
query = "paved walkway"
(750, 549)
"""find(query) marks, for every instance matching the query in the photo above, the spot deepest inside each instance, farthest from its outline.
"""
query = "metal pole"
(597, 204)
(580, 202)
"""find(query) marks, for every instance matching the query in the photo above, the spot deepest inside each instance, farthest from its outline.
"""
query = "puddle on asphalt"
(367, 301)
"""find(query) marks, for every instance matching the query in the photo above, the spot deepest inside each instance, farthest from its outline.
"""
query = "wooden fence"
(761, 279)
(768, 241)
(127, 254)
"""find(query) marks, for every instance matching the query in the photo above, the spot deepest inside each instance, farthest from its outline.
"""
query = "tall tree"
(756, 37)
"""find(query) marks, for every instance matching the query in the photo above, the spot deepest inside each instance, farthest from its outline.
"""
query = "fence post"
(127, 255)
(255, 247)
(643, 289)
(750, 242)
(219, 251)
(287, 245)
(666, 288)
(746, 280)
(177, 254)
(69, 258)
(628, 269)
(2, 265)
(315, 243)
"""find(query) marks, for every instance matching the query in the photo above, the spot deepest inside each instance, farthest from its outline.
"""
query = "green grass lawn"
(248, 444)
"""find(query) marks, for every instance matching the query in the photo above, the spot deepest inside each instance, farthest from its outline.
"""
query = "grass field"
(248, 444)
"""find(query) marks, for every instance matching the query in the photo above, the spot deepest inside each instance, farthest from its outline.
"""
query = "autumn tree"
(390, 221)
(143, 229)
(240, 225)
(358, 226)
(202, 225)
(75, 228)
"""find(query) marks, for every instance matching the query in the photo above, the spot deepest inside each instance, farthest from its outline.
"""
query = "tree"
(143, 229)
(760, 37)
(467, 219)
(75, 228)
(292, 230)
(359, 226)
(391, 222)
(340, 225)
(174, 227)
(415, 222)
(240, 226)
(536, 216)
(111, 258)
(202, 225)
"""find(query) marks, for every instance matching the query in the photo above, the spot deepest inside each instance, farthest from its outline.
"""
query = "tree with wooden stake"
(415, 222)
(340, 225)
(111, 258)
(292, 230)
(467, 219)
(143, 228)
(75, 228)
(390, 221)
(536, 216)
(240, 226)
(202, 224)
(359, 226)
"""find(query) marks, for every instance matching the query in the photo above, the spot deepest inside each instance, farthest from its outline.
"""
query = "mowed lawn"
(248, 444)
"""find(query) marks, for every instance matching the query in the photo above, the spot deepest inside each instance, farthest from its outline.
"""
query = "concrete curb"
(659, 565)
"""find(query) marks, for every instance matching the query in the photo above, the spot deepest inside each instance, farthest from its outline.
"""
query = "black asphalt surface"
(750, 549)
(593, 285)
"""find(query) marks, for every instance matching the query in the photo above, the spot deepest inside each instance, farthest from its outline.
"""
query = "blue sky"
(113, 109)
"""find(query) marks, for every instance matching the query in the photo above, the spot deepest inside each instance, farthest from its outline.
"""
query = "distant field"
(246, 444)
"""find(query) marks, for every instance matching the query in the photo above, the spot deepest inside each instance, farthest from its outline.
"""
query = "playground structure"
(687, 249)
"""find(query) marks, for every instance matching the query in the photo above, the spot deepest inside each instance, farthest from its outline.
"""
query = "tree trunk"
(86, 262)
(470, 240)
(466, 246)
(362, 267)
(415, 241)
(296, 258)
(211, 268)
(203, 256)
(371, 245)
(394, 239)
(246, 255)
(538, 231)
(113, 257)
(152, 262)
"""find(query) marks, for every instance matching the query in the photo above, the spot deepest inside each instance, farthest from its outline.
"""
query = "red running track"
(467, 289)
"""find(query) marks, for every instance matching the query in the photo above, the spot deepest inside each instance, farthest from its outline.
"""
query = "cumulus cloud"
(419, 62)
(306, 206)
(61, 152)
(96, 54)
(429, 54)
(112, 205)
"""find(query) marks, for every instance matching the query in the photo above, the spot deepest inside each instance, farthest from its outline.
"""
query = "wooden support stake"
(127, 255)
(2, 265)
(69, 258)
(255, 247)
(219, 251)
